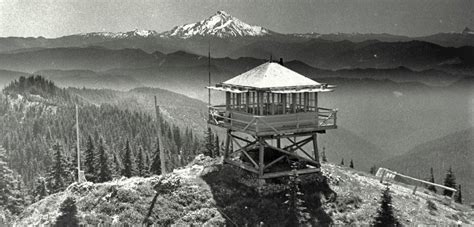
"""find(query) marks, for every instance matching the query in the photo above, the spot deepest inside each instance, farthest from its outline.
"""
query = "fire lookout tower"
(270, 114)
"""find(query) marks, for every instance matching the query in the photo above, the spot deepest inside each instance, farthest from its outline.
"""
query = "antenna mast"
(160, 142)
(209, 70)
(77, 146)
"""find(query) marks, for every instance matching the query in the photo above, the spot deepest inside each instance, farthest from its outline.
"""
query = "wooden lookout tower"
(272, 116)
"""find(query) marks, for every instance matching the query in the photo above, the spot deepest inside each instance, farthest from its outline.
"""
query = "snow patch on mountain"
(220, 25)
(121, 35)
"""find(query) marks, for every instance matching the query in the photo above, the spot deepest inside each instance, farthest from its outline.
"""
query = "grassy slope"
(209, 193)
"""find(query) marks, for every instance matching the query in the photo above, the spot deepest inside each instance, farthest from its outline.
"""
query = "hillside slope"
(455, 150)
(207, 192)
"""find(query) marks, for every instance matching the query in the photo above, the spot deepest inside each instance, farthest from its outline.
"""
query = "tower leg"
(261, 156)
(315, 147)
(227, 145)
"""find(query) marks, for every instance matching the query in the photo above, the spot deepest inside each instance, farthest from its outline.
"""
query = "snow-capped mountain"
(220, 25)
(120, 35)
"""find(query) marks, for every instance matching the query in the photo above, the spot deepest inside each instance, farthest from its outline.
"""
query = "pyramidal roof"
(271, 75)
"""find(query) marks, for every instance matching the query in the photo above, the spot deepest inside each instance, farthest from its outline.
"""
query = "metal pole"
(209, 71)
(160, 142)
(77, 146)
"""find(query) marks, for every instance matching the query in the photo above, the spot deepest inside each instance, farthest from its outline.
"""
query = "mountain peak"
(221, 25)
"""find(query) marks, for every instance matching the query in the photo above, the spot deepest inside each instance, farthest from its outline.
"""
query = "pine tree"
(117, 166)
(209, 145)
(127, 161)
(155, 167)
(9, 195)
(432, 180)
(297, 214)
(90, 160)
(385, 215)
(351, 164)
(104, 170)
(58, 173)
(342, 162)
(324, 155)
(140, 164)
(458, 197)
(68, 216)
(373, 170)
(40, 190)
(449, 181)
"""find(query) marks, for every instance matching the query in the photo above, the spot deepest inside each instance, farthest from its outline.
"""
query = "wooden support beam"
(297, 144)
(288, 173)
(240, 138)
(241, 165)
(315, 147)
(243, 150)
(227, 144)
(275, 161)
(294, 155)
(261, 155)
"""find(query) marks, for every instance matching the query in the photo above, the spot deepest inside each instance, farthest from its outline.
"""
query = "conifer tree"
(209, 145)
(432, 180)
(155, 167)
(297, 212)
(449, 181)
(127, 161)
(385, 215)
(458, 197)
(41, 190)
(68, 216)
(373, 170)
(140, 164)
(58, 173)
(104, 170)
(90, 160)
(324, 155)
(342, 162)
(351, 164)
(117, 167)
(8, 194)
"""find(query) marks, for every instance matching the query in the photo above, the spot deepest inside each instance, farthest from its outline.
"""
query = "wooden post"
(315, 147)
(414, 189)
(261, 156)
(227, 144)
(247, 102)
(273, 104)
(227, 100)
(239, 101)
(160, 142)
(293, 100)
(284, 103)
(383, 175)
(278, 142)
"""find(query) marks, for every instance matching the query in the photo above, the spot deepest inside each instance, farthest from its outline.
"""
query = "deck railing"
(307, 121)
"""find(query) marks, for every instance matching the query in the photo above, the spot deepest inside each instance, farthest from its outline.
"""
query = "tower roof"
(271, 75)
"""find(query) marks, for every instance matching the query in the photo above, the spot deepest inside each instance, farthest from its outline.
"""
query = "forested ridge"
(37, 132)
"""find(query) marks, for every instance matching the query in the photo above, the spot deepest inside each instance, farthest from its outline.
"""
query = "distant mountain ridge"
(225, 32)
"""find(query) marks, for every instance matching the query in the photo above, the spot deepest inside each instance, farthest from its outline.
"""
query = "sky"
(50, 18)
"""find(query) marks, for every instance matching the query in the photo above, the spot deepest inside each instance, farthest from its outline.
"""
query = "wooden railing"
(273, 124)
